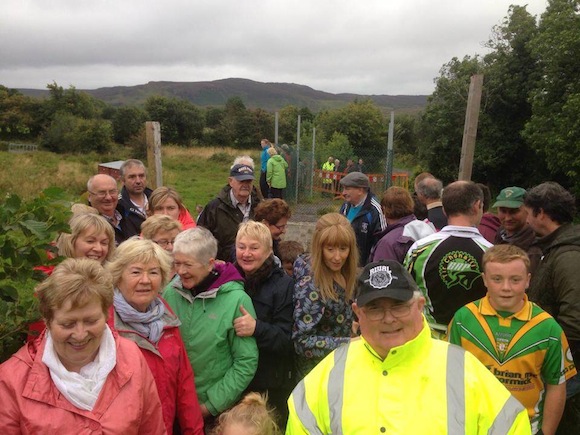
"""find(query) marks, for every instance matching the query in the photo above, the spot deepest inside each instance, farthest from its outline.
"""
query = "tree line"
(529, 125)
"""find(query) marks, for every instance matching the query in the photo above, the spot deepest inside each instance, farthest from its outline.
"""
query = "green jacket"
(223, 363)
(276, 172)
(555, 283)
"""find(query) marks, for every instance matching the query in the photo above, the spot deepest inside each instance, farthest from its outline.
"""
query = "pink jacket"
(172, 371)
(31, 403)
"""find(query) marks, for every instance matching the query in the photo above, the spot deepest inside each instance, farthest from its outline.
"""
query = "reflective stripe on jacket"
(424, 386)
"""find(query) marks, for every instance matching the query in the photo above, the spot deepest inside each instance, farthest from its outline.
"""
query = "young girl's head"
(249, 417)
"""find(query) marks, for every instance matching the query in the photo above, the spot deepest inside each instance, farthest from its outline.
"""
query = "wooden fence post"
(470, 128)
(154, 163)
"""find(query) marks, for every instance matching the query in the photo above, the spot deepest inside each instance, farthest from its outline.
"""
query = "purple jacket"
(396, 240)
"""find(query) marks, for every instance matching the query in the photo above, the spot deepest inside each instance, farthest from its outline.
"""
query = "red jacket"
(172, 372)
(31, 403)
(186, 220)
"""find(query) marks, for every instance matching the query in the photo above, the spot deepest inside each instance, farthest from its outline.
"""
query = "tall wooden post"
(470, 128)
(154, 164)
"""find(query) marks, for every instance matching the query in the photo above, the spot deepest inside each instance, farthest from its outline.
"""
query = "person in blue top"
(264, 156)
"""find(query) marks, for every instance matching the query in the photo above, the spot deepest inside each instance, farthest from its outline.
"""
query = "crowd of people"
(418, 313)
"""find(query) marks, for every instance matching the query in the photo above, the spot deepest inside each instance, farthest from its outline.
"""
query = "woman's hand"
(245, 325)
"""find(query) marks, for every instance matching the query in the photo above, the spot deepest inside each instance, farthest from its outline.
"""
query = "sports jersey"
(524, 350)
(447, 268)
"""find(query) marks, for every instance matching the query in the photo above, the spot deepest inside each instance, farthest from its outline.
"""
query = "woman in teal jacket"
(276, 174)
(208, 297)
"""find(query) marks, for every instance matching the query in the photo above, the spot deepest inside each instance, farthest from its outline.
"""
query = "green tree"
(79, 104)
(181, 122)
(18, 115)
(263, 122)
(362, 123)
(28, 228)
(442, 121)
(127, 122)
(511, 73)
(288, 122)
(553, 128)
(70, 134)
(236, 126)
(338, 146)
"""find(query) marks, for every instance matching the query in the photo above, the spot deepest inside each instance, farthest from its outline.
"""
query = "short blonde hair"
(333, 229)
(137, 250)
(80, 224)
(505, 254)
(159, 222)
(272, 151)
(255, 231)
(197, 243)
(252, 413)
(78, 280)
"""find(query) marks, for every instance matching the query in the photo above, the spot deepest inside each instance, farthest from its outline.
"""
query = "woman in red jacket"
(78, 375)
(140, 268)
(165, 200)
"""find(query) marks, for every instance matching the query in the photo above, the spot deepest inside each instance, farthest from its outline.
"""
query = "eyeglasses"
(280, 227)
(102, 194)
(379, 313)
(164, 243)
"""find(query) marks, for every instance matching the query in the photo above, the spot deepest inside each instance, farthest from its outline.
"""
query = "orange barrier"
(377, 182)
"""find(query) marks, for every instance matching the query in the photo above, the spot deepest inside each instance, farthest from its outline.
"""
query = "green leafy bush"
(27, 230)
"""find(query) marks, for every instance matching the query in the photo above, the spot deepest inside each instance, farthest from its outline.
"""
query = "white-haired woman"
(208, 297)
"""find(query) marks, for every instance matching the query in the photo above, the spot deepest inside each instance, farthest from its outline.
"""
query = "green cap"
(510, 197)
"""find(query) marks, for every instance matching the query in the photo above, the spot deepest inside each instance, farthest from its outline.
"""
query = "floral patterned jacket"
(320, 326)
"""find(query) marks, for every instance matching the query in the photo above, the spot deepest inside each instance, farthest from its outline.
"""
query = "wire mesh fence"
(313, 189)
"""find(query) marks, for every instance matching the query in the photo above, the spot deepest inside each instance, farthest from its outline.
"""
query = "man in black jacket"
(234, 204)
(104, 197)
(134, 197)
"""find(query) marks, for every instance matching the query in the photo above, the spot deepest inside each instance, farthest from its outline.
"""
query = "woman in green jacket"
(276, 174)
(208, 297)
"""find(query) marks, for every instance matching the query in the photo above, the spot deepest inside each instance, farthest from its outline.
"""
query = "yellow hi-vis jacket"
(425, 386)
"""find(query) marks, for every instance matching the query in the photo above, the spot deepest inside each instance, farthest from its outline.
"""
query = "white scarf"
(82, 389)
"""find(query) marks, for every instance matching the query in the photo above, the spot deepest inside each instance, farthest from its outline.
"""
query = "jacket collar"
(524, 314)
(408, 353)
(39, 385)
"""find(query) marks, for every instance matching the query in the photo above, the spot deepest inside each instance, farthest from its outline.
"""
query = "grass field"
(196, 173)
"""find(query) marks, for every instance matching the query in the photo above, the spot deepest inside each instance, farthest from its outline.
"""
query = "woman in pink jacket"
(140, 268)
(78, 376)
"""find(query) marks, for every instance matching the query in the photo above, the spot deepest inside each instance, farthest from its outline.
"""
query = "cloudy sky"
(359, 46)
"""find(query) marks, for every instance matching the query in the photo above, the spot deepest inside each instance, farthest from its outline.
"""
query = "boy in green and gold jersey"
(521, 344)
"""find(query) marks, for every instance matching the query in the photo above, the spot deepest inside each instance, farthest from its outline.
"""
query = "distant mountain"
(268, 96)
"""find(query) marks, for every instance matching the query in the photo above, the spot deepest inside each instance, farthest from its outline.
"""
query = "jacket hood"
(227, 272)
(567, 234)
(490, 221)
(400, 223)
(278, 158)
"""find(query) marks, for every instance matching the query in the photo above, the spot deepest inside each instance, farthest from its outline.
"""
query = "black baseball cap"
(384, 279)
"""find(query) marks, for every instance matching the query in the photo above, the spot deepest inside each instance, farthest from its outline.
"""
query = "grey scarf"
(149, 324)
